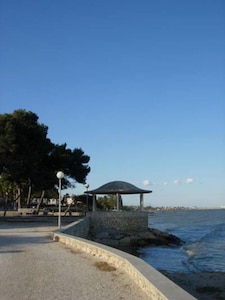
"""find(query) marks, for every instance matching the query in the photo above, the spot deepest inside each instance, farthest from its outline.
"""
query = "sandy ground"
(203, 286)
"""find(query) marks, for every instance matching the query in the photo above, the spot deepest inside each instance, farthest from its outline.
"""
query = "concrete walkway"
(33, 267)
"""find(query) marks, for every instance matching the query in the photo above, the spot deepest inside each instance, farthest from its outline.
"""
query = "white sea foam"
(203, 233)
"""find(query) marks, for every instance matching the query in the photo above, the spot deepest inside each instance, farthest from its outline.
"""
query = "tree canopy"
(28, 158)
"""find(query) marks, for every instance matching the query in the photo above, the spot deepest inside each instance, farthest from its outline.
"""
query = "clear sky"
(138, 85)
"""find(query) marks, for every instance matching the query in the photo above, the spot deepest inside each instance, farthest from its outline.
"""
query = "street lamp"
(60, 176)
(87, 186)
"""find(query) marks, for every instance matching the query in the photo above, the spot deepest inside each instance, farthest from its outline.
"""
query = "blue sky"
(138, 85)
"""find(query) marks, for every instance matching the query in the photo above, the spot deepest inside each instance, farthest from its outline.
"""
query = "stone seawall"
(156, 285)
(119, 221)
(126, 231)
(80, 228)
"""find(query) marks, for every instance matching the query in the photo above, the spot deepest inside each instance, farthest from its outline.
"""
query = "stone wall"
(75, 235)
(110, 222)
(153, 283)
(119, 221)
(79, 228)
(123, 230)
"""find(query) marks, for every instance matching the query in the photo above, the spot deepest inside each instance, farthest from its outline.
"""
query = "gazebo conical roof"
(118, 187)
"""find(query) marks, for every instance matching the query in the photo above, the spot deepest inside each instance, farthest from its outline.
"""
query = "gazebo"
(118, 188)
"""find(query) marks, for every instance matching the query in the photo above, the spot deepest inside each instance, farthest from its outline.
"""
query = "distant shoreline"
(182, 208)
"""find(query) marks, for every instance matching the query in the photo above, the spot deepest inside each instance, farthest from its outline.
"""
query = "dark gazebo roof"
(118, 187)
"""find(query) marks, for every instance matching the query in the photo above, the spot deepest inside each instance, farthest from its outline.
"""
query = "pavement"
(34, 267)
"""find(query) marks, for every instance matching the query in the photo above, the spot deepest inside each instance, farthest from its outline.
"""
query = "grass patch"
(208, 289)
(104, 266)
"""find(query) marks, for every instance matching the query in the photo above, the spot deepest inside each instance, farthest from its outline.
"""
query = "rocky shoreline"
(131, 241)
(202, 285)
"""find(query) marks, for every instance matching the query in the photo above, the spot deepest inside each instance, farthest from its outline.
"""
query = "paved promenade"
(33, 267)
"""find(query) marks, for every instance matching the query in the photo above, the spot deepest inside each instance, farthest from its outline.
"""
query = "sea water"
(203, 234)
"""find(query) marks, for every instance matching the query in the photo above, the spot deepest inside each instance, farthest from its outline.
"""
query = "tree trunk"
(41, 200)
(6, 205)
(68, 210)
(29, 194)
(18, 197)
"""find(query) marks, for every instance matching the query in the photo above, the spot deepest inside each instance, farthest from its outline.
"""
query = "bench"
(27, 211)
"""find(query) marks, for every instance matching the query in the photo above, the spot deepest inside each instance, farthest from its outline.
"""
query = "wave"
(204, 236)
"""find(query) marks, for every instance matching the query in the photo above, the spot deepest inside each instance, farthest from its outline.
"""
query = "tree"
(72, 162)
(29, 159)
(23, 145)
(108, 202)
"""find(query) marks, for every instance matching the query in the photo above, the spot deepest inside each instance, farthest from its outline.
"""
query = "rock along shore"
(130, 241)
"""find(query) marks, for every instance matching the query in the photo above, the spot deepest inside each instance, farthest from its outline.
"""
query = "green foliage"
(23, 144)
(72, 162)
(108, 202)
(28, 158)
(7, 188)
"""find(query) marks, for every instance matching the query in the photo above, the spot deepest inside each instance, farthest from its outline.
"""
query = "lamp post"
(87, 186)
(60, 176)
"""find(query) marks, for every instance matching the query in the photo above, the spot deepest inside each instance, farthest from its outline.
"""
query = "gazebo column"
(141, 201)
(93, 202)
(118, 201)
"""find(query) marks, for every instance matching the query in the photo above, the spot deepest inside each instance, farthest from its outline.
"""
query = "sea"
(203, 234)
